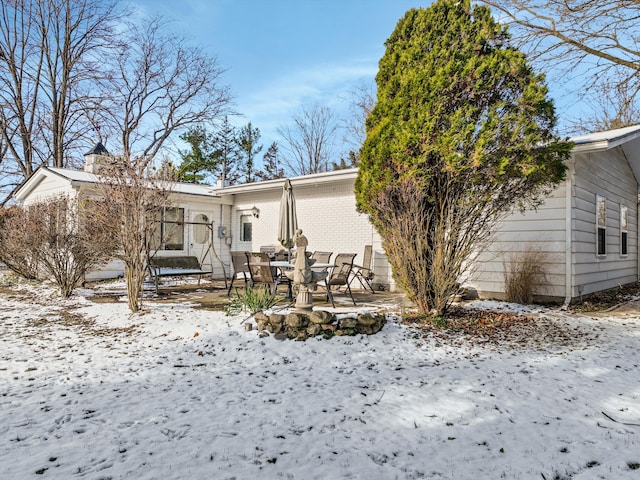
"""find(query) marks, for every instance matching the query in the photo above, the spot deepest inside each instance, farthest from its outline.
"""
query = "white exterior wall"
(605, 173)
(50, 186)
(563, 228)
(326, 213)
(608, 175)
(542, 230)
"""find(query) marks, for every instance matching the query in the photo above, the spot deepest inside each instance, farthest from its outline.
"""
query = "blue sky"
(282, 55)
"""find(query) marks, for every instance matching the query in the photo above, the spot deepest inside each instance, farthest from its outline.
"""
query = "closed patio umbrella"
(288, 221)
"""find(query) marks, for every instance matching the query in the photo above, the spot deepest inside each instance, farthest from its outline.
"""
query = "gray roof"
(609, 138)
(99, 149)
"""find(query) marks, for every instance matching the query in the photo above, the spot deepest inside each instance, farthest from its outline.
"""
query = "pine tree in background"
(225, 143)
(352, 162)
(202, 161)
(271, 164)
(462, 133)
(247, 141)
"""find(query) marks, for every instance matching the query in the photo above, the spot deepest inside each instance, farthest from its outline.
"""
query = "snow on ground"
(88, 390)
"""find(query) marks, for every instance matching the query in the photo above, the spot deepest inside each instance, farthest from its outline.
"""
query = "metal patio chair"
(262, 272)
(363, 272)
(321, 257)
(339, 276)
(239, 264)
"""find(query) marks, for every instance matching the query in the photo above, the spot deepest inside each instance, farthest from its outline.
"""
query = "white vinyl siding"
(542, 230)
(603, 174)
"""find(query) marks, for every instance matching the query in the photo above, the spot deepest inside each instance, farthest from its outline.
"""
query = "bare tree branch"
(599, 39)
(161, 85)
(45, 52)
(308, 143)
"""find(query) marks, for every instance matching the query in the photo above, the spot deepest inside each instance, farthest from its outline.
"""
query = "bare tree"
(57, 239)
(613, 106)
(48, 50)
(130, 200)
(598, 38)
(361, 100)
(160, 85)
(308, 143)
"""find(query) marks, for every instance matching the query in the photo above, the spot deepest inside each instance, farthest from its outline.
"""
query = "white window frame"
(245, 219)
(601, 226)
(624, 231)
(167, 229)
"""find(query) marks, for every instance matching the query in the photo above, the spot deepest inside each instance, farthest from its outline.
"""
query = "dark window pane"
(246, 232)
(623, 243)
(602, 241)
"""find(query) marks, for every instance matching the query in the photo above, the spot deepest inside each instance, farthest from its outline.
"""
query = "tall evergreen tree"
(462, 132)
(225, 143)
(271, 165)
(202, 161)
(247, 140)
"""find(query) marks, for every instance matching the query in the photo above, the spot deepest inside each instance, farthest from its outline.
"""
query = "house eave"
(315, 179)
(592, 147)
(607, 140)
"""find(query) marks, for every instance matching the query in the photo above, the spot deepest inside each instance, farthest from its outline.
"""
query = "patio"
(213, 295)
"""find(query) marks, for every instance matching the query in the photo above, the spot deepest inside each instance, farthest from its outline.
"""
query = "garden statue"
(304, 279)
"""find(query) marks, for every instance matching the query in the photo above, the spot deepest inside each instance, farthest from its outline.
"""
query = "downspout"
(568, 232)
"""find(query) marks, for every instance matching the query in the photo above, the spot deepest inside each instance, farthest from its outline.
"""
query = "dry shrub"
(430, 238)
(54, 239)
(129, 200)
(525, 273)
(17, 250)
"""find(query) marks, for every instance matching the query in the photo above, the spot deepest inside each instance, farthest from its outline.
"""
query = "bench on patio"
(176, 267)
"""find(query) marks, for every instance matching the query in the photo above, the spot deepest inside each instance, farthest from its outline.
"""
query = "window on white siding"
(623, 230)
(246, 228)
(200, 230)
(169, 230)
(601, 225)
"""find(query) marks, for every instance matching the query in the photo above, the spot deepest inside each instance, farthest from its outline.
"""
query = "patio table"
(288, 265)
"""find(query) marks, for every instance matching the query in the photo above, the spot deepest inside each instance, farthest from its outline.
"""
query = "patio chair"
(363, 272)
(239, 263)
(321, 257)
(339, 276)
(262, 272)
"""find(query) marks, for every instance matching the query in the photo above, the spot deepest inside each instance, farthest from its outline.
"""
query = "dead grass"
(67, 318)
(607, 300)
(492, 328)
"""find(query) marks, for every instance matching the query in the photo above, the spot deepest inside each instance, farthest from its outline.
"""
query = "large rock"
(297, 320)
(277, 322)
(262, 321)
(348, 322)
(321, 317)
(366, 319)
(314, 329)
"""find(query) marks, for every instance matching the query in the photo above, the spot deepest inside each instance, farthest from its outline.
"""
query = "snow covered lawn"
(88, 390)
